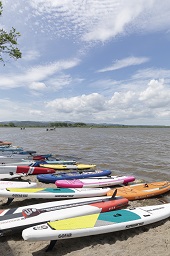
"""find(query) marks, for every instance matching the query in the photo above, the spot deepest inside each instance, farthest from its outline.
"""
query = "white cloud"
(91, 20)
(149, 105)
(156, 95)
(84, 103)
(36, 75)
(117, 15)
(37, 86)
(122, 99)
(34, 112)
(59, 82)
(130, 61)
(150, 73)
(30, 55)
(95, 20)
(152, 102)
(56, 28)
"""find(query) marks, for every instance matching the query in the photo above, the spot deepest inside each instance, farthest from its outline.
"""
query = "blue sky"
(101, 61)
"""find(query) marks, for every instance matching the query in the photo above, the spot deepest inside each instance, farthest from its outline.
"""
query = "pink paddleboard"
(94, 182)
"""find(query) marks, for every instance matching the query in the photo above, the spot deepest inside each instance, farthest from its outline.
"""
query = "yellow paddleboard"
(69, 167)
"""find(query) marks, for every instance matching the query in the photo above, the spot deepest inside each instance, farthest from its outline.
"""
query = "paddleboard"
(25, 169)
(11, 176)
(21, 163)
(16, 219)
(98, 223)
(142, 190)
(51, 162)
(28, 156)
(55, 193)
(10, 157)
(52, 178)
(16, 184)
(94, 182)
(10, 149)
(69, 167)
(42, 157)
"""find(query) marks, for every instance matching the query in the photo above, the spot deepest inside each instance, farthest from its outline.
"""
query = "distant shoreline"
(53, 125)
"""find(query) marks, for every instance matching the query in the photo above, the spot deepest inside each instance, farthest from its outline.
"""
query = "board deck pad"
(94, 220)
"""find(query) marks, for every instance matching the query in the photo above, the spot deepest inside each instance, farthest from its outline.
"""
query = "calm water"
(142, 152)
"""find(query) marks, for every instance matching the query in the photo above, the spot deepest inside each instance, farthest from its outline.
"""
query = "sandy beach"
(151, 240)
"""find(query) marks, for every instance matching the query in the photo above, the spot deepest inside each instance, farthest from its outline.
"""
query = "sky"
(99, 61)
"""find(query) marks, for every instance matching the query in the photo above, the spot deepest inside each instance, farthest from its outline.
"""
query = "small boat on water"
(5, 143)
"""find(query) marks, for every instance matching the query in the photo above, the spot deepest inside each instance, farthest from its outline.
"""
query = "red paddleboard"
(110, 205)
(30, 170)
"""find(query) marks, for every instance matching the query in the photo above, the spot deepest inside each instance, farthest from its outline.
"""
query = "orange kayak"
(141, 191)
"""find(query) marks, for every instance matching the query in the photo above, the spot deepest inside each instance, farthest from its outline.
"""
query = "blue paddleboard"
(52, 178)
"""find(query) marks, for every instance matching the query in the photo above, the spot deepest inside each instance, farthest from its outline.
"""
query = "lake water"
(142, 152)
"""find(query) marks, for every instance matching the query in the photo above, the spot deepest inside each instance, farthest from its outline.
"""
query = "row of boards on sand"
(16, 219)
(78, 217)
(41, 169)
(131, 192)
(37, 163)
(49, 178)
(90, 183)
(57, 165)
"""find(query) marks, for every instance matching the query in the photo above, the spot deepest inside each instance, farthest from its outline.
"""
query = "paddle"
(32, 212)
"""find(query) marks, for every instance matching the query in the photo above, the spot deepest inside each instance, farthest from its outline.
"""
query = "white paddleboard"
(11, 176)
(17, 219)
(21, 163)
(55, 193)
(16, 184)
(98, 223)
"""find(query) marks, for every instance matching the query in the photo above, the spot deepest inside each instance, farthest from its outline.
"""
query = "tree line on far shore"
(32, 124)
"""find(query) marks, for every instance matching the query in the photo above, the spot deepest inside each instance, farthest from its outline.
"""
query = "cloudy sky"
(101, 61)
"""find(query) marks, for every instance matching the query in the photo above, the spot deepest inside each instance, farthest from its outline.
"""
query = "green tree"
(8, 42)
(11, 124)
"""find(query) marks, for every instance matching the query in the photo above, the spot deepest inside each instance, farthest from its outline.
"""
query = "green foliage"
(60, 124)
(11, 124)
(8, 42)
(79, 124)
(0, 8)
